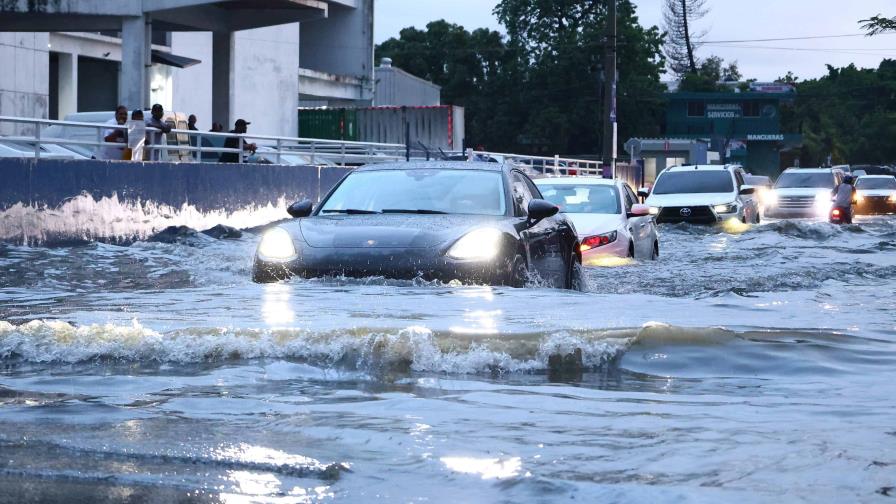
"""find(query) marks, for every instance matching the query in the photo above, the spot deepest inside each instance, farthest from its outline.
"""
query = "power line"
(851, 51)
(811, 37)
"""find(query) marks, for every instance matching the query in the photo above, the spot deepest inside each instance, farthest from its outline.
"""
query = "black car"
(477, 222)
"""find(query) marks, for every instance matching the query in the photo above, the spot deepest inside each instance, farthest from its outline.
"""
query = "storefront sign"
(723, 110)
(765, 138)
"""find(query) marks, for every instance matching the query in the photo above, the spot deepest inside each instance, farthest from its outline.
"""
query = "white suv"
(802, 192)
(702, 194)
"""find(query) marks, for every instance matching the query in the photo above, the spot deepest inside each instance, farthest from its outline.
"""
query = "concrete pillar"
(222, 78)
(68, 84)
(135, 53)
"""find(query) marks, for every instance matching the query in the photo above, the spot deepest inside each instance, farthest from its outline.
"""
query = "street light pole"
(610, 78)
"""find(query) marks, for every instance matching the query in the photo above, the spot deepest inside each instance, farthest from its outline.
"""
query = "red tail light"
(592, 242)
(836, 212)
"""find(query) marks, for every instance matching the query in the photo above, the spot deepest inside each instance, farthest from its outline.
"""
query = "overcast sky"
(727, 20)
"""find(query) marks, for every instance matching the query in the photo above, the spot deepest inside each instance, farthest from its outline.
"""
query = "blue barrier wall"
(207, 186)
(45, 198)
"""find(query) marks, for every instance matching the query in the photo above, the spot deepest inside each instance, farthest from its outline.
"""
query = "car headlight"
(276, 244)
(654, 210)
(892, 198)
(770, 198)
(480, 245)
(726, 208)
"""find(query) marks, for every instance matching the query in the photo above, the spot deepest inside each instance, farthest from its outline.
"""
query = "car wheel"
(758, 218)
(519, 272)
(573, 281)
(656, 251)
(631, 250)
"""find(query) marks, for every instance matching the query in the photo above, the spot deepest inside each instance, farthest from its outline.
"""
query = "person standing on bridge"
(115, 135)
(233, 142)
(155, 137)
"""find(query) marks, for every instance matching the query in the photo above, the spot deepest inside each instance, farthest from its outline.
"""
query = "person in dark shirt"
(233, 142)
(155, 137)
(191, 123)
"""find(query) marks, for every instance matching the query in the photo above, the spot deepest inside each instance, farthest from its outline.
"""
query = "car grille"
(796, 202)
(698, 215)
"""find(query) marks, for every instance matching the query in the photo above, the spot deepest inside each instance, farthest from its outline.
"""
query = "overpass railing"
(42, 138)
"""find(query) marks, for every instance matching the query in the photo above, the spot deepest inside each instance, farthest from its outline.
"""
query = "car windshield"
(876, 183)
(697, 181)
(466, 191)
(757, 181)
(805, 180)
(581, 198)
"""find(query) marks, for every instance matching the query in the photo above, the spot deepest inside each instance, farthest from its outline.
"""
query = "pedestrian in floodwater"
(155, 137)
(240, 127)
(115, 135)
(191, 123)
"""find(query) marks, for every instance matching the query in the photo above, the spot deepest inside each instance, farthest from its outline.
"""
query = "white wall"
(267, 79)
(193, 86)
(24, 77)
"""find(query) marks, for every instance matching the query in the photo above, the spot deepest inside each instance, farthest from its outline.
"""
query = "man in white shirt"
(115, 135)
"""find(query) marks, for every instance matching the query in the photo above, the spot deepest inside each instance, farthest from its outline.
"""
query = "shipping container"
(328, 123)
(436, 127)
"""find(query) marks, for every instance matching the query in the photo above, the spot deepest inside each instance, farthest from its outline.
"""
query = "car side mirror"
(300, 209)
(540, 209)
(747, 189)
(639, 211)
(643, 192)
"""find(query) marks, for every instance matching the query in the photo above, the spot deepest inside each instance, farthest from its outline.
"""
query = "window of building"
(696, 109)
(751, 108)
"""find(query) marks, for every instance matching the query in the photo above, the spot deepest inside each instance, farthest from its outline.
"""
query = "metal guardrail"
(201, 146)
(188, 146)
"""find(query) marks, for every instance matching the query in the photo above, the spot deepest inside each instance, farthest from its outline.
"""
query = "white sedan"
(607, 216)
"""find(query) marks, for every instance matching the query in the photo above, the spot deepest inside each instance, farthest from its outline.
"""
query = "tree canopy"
(538, 89)
(849, 114)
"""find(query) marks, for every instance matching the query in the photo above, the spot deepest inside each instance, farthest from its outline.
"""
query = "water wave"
(411, 348)
(84, 218)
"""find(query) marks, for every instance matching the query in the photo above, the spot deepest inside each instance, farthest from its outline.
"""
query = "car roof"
(682, 168)
(810, 170)
(878, 176)
(575, 180)
(436, 165)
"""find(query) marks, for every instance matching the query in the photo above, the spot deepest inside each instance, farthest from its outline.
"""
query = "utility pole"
(610, 77)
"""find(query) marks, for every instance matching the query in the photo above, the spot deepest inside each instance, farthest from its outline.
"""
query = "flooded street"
(747, 364)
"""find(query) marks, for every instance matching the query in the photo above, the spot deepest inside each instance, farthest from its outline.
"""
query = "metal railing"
(85, 139)
(200, 146)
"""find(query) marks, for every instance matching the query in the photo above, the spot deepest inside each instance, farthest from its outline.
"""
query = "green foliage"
(879, 24)
(850, 113)
(711, 71)
(539, 89)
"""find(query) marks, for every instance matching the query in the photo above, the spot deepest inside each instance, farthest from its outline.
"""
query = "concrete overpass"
(136, 20)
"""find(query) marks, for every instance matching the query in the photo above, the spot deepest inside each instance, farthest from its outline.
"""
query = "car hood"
(803, 191)
(389, 231)
(590, 224)
(693, 199)
(876, 192)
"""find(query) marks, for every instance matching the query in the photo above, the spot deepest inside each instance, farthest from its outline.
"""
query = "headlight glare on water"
(277, 244)
(479, 245)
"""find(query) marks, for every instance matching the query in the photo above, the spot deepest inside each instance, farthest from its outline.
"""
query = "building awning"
(165, 58)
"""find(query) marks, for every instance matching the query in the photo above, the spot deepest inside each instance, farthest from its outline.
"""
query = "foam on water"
(112, 218)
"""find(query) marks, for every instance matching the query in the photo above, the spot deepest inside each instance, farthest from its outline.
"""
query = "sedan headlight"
(479, 245)
(592, 242)
(276, 244)
(892, 198)
(770, 198)
(727, 208)
(654, 210)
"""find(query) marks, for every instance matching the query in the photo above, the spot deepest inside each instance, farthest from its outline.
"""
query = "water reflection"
(276, 308)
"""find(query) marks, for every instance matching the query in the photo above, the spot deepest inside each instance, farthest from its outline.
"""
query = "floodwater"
(750, 364)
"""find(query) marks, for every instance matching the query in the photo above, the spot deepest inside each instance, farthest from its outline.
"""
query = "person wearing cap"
(233, 142)
(155, 137)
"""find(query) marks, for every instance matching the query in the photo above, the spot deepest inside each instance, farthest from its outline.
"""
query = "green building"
(743, 128)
